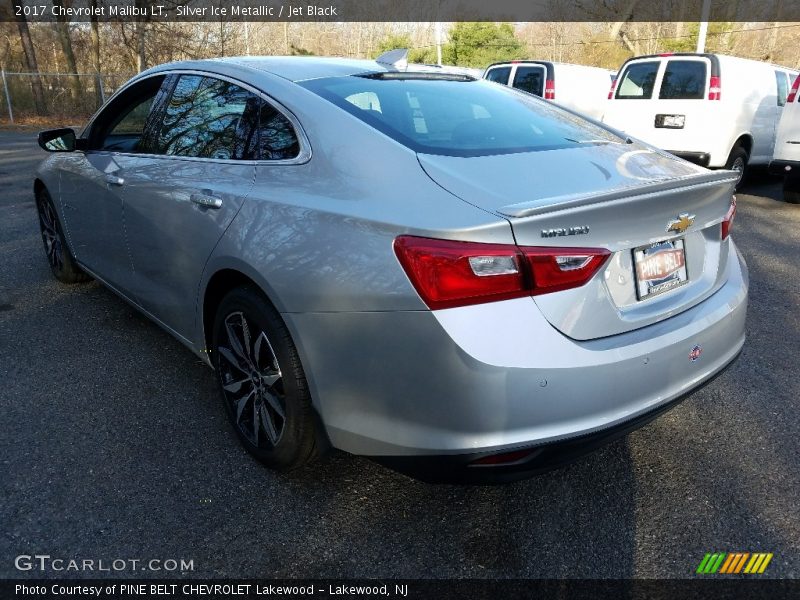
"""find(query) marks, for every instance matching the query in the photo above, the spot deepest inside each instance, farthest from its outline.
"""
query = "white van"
(715, 110)
(786, 158)
(578, 87)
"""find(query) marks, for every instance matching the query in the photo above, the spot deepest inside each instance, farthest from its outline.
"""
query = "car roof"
(293, 68)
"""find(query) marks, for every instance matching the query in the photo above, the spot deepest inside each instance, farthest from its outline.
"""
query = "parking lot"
(114, 445)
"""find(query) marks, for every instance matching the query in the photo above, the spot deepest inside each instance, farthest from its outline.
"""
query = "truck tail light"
(793, 92)
(715, 88)
(613, 88)
(727, 222)
(448, 273)
(550, 90)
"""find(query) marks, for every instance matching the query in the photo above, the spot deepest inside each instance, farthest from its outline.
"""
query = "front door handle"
(114, 180)
(206, 201)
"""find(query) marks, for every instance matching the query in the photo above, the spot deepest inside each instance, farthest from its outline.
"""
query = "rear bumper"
(405, 387)
(784, 167)
(461, 468)
(699, 158)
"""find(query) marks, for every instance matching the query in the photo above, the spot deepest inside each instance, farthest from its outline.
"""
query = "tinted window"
(134, 121)
(457, 117)
(209, 118)
(121, 125)
(277, 138)
(530, 79)
(782, 80)
(499, 75)
(684, 80)
(638, 81)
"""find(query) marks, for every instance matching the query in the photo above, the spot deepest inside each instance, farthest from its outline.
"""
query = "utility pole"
(701, 36)
(439, 43)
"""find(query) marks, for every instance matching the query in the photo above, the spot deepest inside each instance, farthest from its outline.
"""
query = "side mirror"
(59, 140)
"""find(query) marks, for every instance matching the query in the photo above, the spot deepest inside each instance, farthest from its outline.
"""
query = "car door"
(180, 197)
(91, 184)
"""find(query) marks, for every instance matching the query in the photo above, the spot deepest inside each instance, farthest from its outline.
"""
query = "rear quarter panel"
(318, 236)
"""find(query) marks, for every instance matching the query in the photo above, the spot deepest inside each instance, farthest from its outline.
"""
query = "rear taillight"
(447, 273)
(549, 90)
(613, 89)
(556, 269)
(715, 88)
(727, 222)
(793, 92)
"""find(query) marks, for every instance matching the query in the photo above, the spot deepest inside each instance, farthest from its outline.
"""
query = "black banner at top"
(398, 10)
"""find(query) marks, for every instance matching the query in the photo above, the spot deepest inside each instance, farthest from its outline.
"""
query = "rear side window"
(684, 80)
(638, 81)
(782, 80)
(455, 117)
(208, 118)
(530, 79)
(277, 139)
(499, 74)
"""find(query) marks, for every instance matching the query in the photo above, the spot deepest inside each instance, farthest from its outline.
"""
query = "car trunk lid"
(625, 198)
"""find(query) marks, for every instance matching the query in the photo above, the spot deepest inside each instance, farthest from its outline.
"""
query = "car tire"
(263, 386)
(791, 189)
(737, 161)
(62, 262)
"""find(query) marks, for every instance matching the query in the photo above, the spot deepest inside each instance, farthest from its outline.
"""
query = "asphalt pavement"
(114, 445)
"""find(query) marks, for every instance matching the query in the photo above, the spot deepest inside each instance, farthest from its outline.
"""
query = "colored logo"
(695, 353)
(726, 563)
(681, 223)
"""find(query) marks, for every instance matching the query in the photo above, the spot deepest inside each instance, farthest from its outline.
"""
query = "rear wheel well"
(218, 286)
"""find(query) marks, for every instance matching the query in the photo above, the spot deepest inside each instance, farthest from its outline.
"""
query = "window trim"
(303, 156)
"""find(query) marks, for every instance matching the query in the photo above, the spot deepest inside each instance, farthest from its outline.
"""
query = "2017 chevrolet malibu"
(452, 277)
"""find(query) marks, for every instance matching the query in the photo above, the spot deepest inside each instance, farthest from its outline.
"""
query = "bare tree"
(95, 54)
(62, 29)
(30, 59)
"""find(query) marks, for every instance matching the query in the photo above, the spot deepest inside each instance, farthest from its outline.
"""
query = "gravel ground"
(114, 445)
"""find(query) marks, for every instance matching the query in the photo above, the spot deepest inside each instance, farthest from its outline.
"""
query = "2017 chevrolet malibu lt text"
(453, 277)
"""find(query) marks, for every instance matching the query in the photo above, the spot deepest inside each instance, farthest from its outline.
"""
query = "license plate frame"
(655, 276)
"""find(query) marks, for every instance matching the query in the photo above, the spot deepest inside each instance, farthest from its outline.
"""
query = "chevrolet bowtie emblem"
(681, 224)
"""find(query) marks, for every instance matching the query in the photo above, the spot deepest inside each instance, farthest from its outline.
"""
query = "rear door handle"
(114, 180)
(206, 201)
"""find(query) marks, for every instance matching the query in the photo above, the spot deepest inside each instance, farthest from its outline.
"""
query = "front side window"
(530, 79)
(499, 75)
(638, 81)
(684, 80)
(209, 118)
(120, 127)
(458, 117)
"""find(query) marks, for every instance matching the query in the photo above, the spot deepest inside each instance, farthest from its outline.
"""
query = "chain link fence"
(34, 97)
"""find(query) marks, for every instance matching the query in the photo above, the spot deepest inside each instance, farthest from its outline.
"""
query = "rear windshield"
(499, 74)
(782, 80)
(530, 79)
(458, 117)
(684, 80)
(638, 80)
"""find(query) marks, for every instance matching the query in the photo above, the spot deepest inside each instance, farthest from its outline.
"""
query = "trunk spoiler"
(556, 203)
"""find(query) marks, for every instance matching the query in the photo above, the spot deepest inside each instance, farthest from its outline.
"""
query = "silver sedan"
(452, 277)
